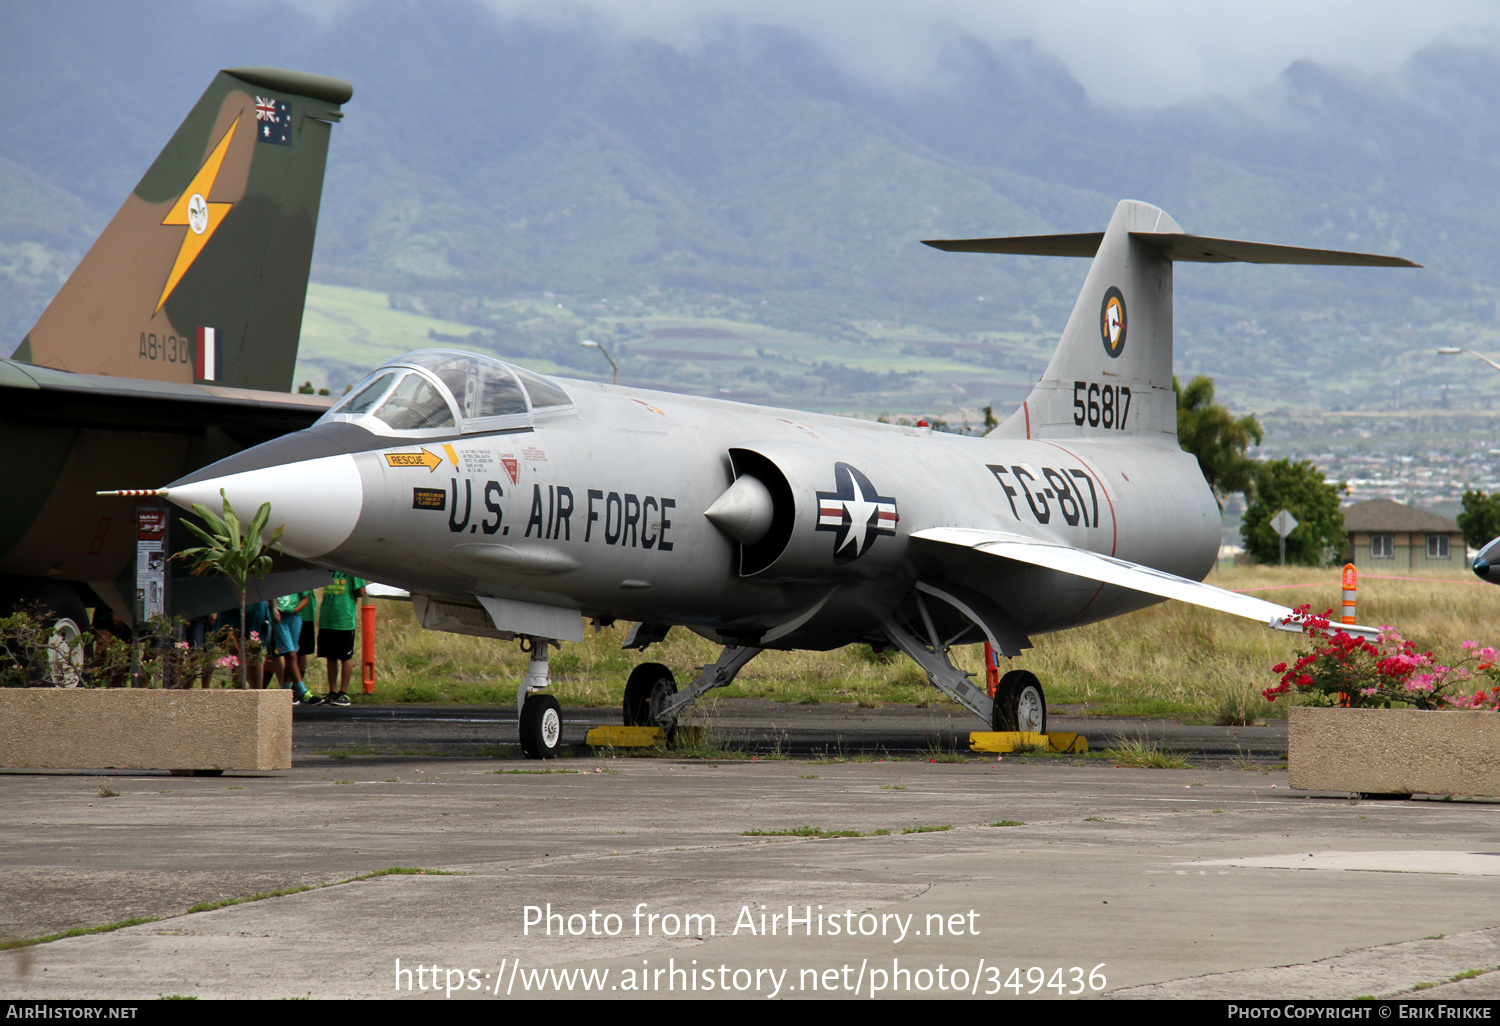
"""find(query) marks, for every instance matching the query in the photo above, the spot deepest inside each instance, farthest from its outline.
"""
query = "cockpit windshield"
(435, 389)
(417, 402)
(483, 387)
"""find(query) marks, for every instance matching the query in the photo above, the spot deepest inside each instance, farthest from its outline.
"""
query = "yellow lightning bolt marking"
(194, 241)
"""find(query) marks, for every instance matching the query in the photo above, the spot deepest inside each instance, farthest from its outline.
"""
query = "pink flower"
(228, 662)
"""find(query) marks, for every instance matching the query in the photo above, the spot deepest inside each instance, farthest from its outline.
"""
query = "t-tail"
(1111, 376)
(201, 276)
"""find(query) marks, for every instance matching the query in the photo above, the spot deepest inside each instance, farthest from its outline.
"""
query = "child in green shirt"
(336, 633)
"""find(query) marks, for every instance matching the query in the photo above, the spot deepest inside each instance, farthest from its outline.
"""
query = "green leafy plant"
(23, 635)
(238, 552)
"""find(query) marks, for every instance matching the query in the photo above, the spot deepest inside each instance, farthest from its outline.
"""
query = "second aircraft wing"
(1122, 573)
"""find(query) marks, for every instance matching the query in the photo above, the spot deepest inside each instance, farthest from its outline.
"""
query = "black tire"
(541, 727)
(638, 686)
(1020, 703)
(661, 691)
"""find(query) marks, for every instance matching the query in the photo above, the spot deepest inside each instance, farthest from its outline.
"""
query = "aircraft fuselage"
(601, 509)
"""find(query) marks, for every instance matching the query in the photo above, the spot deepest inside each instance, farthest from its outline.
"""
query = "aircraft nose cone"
(318, 500)
(744, 512)
(1482, 568)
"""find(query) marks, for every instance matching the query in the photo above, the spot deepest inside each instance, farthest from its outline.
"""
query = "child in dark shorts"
(336, 620)
(307, 646)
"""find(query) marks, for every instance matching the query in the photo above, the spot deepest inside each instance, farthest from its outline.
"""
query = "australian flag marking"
(855, 513)
(273, 120)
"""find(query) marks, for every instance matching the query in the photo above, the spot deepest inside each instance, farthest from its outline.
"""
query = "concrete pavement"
(1214, 881)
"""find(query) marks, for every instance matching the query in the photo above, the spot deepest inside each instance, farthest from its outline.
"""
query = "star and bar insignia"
(855, 513)
(273, 120)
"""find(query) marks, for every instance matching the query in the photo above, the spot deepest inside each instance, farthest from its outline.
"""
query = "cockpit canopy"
(435, 391)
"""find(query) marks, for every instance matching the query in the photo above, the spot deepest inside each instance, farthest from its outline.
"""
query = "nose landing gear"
(540, 715)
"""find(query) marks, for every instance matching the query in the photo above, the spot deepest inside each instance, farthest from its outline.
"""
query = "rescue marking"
(414, 459)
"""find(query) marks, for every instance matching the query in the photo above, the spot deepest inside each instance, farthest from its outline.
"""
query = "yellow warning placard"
(414, 459)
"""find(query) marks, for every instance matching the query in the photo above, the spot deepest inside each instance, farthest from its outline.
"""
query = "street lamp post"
(591, 344)
(1455, 350)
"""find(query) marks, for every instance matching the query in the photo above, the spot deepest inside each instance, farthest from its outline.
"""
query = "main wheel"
(541, 727)
(661, 693)
(638, 687)
(1020, 703)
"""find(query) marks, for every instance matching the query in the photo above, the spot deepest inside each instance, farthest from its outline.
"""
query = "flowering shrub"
(1342, 669)
(148, 658)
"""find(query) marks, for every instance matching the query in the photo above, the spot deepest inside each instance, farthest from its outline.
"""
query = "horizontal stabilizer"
(1124, 574)
(1173, 246)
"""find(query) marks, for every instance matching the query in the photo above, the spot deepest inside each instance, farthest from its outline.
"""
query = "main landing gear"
(648, 691)
(1019, 703)
(652, 698)
(540, 715)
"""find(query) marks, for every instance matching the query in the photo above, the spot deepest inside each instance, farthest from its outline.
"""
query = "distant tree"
(1210, 432)
(1480, 520)
(1301, 490)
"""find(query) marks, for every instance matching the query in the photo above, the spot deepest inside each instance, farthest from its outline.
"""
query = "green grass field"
(1171, 660)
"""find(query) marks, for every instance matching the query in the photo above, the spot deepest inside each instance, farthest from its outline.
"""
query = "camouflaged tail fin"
(201, 276)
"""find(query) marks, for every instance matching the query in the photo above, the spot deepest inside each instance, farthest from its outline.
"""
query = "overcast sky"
(1143, 52)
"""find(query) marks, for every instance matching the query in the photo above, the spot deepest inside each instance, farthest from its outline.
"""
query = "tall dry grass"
(1169, 660)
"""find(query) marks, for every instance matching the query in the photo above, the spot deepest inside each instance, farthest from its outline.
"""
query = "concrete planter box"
(142, 728)
(1394, 751)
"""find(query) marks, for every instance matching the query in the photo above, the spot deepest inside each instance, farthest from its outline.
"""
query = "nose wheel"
(541, 727)
(540, 716)
(1020, 703)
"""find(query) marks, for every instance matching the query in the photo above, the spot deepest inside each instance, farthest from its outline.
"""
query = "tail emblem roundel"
(1112, 322)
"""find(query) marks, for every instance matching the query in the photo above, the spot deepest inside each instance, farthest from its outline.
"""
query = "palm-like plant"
(232, 550)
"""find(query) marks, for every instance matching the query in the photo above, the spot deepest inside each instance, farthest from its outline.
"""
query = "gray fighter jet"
(515, 506)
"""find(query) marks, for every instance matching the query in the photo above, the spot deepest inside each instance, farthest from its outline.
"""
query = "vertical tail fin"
(1111, 375)
(202, 274)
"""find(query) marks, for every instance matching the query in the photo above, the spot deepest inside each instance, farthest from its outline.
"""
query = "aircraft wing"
(1124, 574)
(42, 395)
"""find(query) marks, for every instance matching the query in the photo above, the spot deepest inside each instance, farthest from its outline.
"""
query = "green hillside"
(745, 220)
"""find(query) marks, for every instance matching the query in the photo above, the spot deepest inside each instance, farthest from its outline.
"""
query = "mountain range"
(486, 162)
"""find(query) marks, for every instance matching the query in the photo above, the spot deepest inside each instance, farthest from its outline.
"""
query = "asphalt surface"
(765, 728)
(1212, 881)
